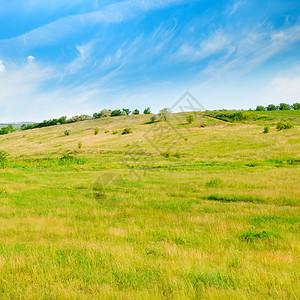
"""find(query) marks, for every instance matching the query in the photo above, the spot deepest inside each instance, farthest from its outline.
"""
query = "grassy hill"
(171, 210)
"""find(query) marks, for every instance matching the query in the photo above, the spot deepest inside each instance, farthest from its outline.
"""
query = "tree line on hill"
(281, 106)
(63, 120)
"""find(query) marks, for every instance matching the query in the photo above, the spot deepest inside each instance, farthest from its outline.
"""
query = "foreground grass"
(214, 216)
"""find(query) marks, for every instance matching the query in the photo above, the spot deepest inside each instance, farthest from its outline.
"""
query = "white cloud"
(114, 13)
(2, 68)
(214, 44)
(252, 49)
(233, 9)
(30, 58)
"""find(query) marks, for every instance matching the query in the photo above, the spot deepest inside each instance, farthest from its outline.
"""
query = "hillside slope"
(171, 210)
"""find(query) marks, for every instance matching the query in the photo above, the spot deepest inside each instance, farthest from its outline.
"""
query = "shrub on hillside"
(7, 129)
(153, 119)
(164, 114)
(96, 131)
(266, 129)
(116, 113)
(296, 106)
(284, 125)
(67, 132)
(232, 116)
(136, 112)
(105, 113)
(127, 131)
(190, 119)
(126, 111)
(147, 111)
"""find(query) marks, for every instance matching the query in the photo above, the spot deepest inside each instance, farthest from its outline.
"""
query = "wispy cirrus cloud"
(114, 13)
(253, 49)
(214, 44)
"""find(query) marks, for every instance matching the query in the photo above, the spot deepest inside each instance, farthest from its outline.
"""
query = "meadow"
(173, 210)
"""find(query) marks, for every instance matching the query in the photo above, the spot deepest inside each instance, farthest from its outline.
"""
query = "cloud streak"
(118, 12)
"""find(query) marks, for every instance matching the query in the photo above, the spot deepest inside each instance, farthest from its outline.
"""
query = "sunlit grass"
(114, 220)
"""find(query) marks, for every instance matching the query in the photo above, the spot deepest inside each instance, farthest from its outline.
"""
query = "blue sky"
(79, 56)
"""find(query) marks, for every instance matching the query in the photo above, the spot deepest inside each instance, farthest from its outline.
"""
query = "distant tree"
(7, 129)
(147, 111)
(136, 112)
(284, 106)
(105, 113)
(259, 108)
(96, 115)
(62, 120)
(164, 114)
(296, 106)
(116, 113)
(126, 110)
(271, 107)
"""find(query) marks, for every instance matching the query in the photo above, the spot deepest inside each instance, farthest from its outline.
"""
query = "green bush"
(136, 112)
(126, 111)
(259, 108)
(96, 131)
(266, 129)
(116, 113)
(296, 106)
(67, 132)
(164, 114)
(7, 129)
(79, 145)
(232, 116)
(153, 119)
(271, 107)
(284, 125)
(190, 119)
(127, 131)
(284, 106)
(147, 111)
(105, 113)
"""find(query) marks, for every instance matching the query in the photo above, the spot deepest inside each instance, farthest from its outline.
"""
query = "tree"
(153, 119)
(136, 112)
(259, 108)
(105, 113)
(284, 106)
(296, 106)
(147, 111)
(271, 107)
(126, 110)
(116, 113)
(7, 129)
(164, 114)
(96, 115)
(62, 120)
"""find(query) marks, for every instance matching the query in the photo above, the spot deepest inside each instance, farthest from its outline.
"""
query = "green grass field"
(172, 210)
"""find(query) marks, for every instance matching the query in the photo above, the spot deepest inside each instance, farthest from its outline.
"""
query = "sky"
(77, 57)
